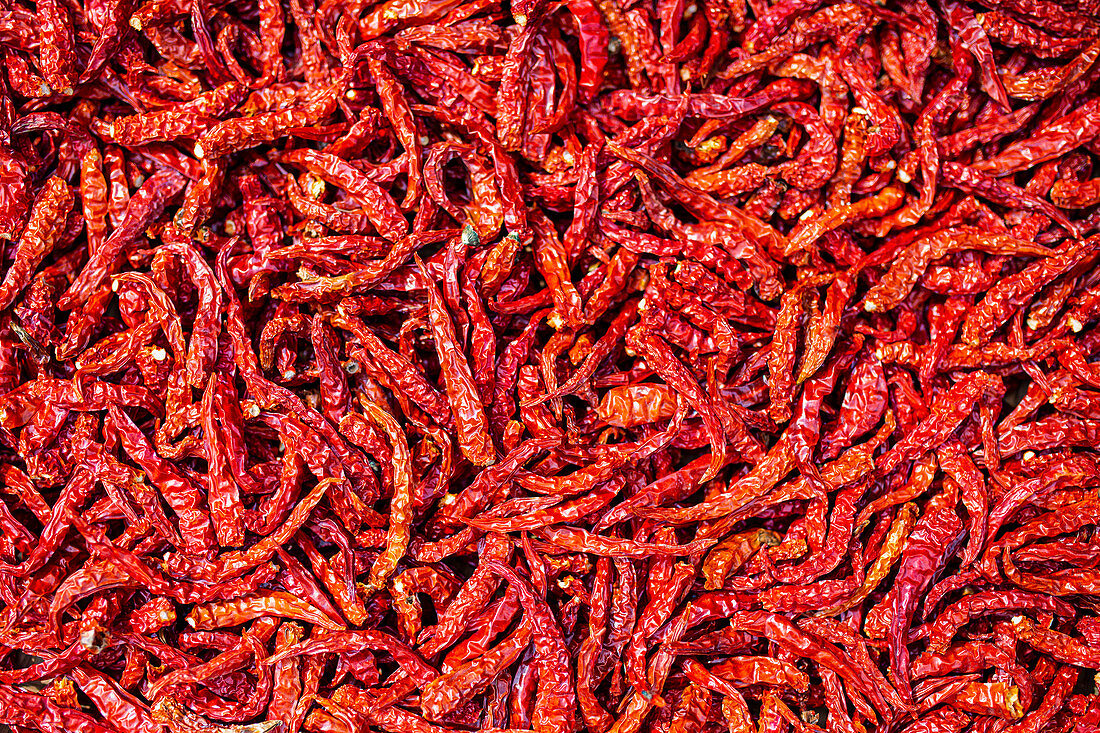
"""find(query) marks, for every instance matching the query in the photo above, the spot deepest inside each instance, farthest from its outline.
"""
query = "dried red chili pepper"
(465, 402)
(369, 296)
(556, 695)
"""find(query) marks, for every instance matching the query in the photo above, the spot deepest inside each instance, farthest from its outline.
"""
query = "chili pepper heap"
(447, 365)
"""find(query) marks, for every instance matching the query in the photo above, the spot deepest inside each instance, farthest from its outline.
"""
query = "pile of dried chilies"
(608, 365)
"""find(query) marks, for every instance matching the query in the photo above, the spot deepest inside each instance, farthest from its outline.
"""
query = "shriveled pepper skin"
(459, 365)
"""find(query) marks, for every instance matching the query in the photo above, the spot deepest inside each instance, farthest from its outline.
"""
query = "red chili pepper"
(43, 230)
(142, 210)
(465, 402)
(766, 331)
(556, 695)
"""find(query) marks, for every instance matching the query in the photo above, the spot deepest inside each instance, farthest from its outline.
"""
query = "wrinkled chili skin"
(664, 365)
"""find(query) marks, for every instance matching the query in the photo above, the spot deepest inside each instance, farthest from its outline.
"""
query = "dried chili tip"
(655, 700)
(470, 238)
(315, 187)
(95, 639)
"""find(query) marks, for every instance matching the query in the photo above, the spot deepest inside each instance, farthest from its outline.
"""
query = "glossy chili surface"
(429, 366)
